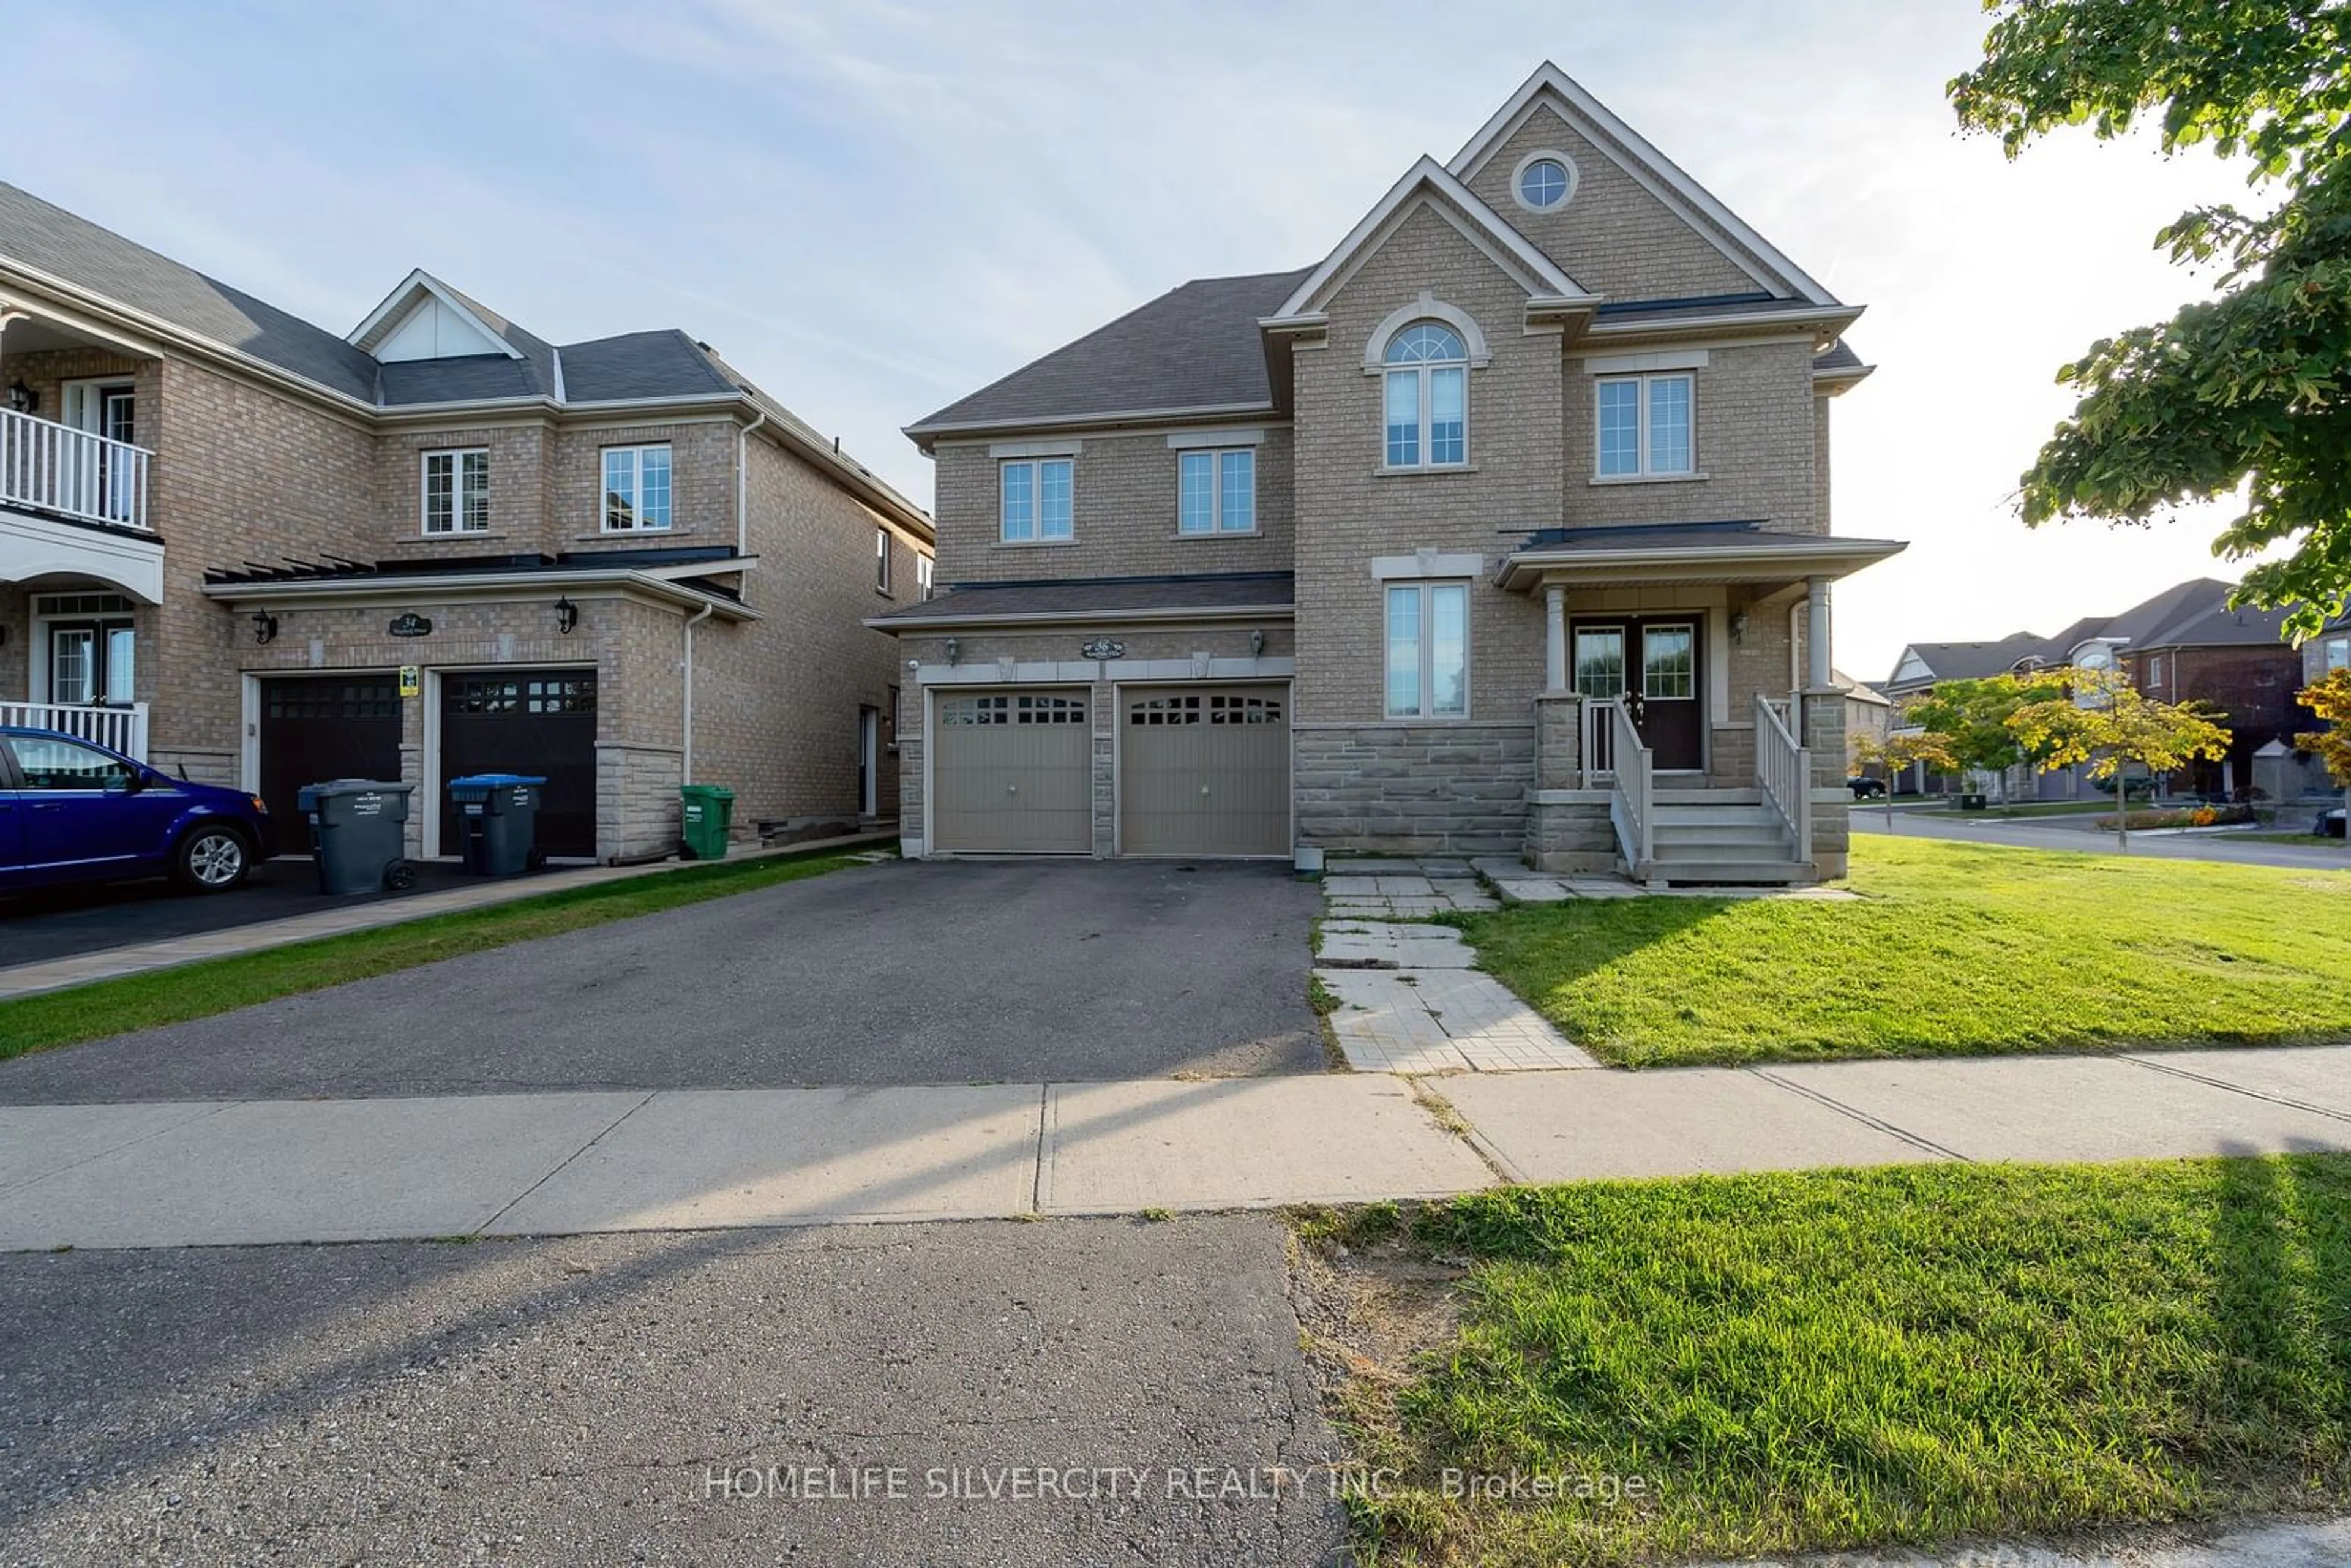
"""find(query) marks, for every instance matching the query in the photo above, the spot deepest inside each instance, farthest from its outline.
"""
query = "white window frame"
(1647, 468)
(924, 568)
(2154, 671)
(1426, 589)
(1037, 534)
(456, 456)
(2336, 655)
(1424, 408)
(1218, 526)
(882, 561)
(636, 496)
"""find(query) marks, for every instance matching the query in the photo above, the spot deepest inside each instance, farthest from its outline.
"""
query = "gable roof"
(1651, 169)
(2191, 614)
(83, 259)
(1512, 251)
(1194, 349)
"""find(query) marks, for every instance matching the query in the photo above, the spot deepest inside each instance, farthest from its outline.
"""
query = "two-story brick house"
(247, 548)
(1496, 530)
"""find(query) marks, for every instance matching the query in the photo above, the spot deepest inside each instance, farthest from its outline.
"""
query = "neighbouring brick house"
(2184, 644)
(252, 549)
(1497, 531)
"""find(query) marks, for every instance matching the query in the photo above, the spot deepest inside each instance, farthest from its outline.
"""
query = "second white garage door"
(1204, 772)
(1011, 772)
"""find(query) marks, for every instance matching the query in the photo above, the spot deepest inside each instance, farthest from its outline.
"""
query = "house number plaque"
(411, 624)
(1104, 648)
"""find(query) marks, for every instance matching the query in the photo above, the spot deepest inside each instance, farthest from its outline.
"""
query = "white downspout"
(743, 487)
(685, 760)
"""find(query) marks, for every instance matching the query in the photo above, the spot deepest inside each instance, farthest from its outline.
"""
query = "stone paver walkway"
(337, 920)
(348, 1170)
(1410, 1000)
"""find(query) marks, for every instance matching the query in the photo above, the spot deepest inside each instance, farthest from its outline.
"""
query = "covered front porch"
(81, 566)
(1689, 729)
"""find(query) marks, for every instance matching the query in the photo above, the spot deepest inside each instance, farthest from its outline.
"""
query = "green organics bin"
(708, 813)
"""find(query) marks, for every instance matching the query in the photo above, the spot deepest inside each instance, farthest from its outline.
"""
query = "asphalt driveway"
(625, 1399)
(887, 974)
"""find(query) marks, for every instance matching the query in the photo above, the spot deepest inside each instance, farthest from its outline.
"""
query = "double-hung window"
(636, 489)
(1646, 426)
(457, 492)
(1217, 492)
(881, 560)
(1427, 398)
(923, 565)
(1428, 650)
(1035, 499)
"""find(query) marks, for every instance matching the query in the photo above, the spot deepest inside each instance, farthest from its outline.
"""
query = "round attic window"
(1543, 182)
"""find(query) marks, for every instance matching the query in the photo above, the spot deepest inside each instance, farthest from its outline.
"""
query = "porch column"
(1555, 638)
(1816, 633)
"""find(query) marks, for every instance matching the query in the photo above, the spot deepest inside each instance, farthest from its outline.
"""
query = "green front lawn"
(222, 985)
(1952, 949)
(1835, 1359)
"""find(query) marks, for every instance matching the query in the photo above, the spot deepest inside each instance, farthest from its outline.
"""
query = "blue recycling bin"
(498, 817)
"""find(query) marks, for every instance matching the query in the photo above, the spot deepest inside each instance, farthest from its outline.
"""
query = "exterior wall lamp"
(265, 628)
(567, 615)
(22, 398)
(955, 649)
(1739, 627)
(1257, 644)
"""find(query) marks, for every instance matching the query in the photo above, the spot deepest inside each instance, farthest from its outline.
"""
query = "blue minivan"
(71, 811)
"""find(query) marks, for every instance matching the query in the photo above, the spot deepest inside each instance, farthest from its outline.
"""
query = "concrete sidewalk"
(339, 919)
(349, 1170)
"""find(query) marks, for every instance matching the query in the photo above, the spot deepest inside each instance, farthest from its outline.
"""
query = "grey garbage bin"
(500, 816)
(359, 828)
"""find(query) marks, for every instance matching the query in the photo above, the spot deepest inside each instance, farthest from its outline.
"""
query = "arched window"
(1427, 398)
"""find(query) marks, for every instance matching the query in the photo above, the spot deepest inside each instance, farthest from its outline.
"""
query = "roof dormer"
(424, 318)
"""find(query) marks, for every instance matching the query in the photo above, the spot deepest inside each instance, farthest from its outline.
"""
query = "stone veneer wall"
(1414, 788)
(1831, 801)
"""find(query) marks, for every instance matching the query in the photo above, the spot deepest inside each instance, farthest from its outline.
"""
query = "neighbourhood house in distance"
(1502, 528)
(227, 534)
(2184, 644)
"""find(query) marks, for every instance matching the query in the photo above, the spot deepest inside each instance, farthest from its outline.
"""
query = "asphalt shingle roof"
(1193, 347)
(2191, 614)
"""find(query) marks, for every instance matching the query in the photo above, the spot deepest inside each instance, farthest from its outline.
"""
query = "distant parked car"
(1865, 788)
(72, 812)
(2330, 824)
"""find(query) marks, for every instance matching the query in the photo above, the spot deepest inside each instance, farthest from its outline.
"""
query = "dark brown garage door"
(538, 722)
(316, 727)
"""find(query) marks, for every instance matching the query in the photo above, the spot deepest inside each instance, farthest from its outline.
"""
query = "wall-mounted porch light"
(1257, 644)
(22, 398)
(567, 615)
(265, 628)
(1739, 627)
(955, 649)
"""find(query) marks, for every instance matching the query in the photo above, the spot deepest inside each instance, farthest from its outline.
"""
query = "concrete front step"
(1754, 845)
(1728, 870)
(1664, 795)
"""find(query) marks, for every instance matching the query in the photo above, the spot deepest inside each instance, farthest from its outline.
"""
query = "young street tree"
(1968, 721)
(1898, 751)
(2105, 721)
(2330, 699)
(2252, 388)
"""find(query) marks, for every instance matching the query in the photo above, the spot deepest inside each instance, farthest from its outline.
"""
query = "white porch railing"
(1599, 744)
(1632, 808)
(1784, 772)
(53, 467)
(121, 726)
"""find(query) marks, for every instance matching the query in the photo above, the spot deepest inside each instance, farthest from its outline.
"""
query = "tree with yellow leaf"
(1901, 750)
(2105, 722)
(2330, 699)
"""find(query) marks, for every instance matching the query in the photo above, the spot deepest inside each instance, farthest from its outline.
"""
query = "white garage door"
(1011, 772)
(1204, 771)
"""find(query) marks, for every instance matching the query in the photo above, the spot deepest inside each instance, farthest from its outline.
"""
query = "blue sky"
(874, 206)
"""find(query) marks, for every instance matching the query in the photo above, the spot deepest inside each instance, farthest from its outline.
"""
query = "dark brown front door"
(533, 722)
(1652, 662)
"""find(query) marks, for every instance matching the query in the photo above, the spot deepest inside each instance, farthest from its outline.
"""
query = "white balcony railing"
(120, 727)
(52, 467)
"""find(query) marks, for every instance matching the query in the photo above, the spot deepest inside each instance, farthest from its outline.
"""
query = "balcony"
(73, 507)
(62, 472)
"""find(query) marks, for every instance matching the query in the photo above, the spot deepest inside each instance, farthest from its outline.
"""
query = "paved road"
(565, 1402)
(2069, 833)
(59, 923)
(890, 974)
